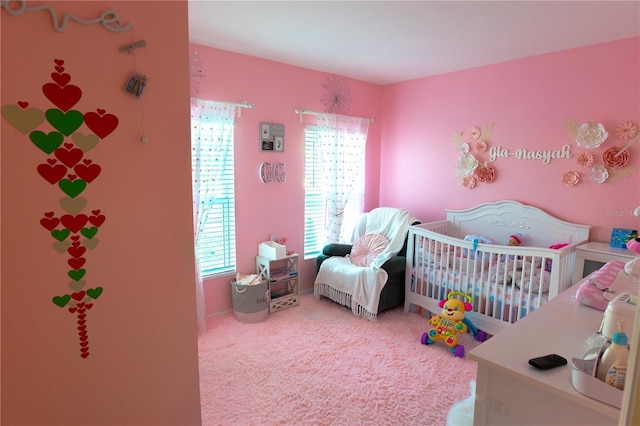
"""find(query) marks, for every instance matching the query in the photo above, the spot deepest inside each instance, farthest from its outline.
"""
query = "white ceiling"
(385, 42)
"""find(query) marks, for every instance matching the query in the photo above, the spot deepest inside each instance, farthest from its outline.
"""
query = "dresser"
(511, 392)
(592, 255)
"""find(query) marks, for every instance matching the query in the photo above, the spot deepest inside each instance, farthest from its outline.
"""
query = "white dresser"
(511, 392)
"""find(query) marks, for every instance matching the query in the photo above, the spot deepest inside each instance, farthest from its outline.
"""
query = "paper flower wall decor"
(615, 161)
(591, 135)
(337, 96)
(469, 170)
(626, 130)
(571, 178)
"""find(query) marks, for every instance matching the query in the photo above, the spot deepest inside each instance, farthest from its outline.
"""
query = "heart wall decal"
(74, 232)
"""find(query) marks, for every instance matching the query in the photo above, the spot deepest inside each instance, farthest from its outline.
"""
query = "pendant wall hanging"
(75, 223)
(337, 96)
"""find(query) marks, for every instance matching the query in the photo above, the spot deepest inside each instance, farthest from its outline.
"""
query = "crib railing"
(505, 283)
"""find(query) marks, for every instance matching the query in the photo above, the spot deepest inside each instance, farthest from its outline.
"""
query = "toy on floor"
(452, 322)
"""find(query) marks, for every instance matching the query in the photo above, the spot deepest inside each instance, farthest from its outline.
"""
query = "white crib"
(505, 282)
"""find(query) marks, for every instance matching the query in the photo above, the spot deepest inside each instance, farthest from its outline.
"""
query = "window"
(214, 200)
(315, 199)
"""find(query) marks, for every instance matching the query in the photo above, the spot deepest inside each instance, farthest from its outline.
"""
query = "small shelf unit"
(282, 276)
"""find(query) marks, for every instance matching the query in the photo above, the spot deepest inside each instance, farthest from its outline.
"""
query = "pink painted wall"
(142, 366)
(262, 209)
(528, 100)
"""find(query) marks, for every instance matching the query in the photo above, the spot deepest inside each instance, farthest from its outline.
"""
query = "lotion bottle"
(613, 366)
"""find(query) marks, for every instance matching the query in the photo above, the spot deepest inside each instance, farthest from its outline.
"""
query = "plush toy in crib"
(450, 323)
(515, 239)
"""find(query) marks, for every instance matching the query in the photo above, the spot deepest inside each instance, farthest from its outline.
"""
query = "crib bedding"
(506, 283)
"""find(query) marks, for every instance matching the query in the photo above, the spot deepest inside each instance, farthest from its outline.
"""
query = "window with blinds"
(216, 248)
(315, 199)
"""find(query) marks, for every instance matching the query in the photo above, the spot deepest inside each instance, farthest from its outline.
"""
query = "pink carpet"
(317, 364)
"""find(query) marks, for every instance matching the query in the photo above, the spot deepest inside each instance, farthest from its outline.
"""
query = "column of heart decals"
(73, 231)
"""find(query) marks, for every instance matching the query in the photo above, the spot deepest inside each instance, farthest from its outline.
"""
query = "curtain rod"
(306, 111)
(239, 105)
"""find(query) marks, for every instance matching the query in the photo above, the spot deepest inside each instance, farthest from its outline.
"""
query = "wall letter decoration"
(74, 230)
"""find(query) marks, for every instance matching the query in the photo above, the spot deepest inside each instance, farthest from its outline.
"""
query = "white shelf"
(282, 276)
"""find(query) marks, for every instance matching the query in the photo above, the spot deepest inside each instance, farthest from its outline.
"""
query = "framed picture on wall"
(271, 137)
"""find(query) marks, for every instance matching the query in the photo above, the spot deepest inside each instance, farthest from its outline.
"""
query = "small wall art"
(271, 137)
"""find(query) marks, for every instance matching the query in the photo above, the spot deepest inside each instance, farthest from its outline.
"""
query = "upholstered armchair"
(358, 264)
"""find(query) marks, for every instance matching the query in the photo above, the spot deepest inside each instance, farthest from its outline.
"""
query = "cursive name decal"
(528, 154)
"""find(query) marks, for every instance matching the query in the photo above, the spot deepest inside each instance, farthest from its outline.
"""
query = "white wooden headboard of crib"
(500, 219)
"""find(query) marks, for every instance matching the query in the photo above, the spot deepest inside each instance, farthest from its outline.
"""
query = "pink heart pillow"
(367, 248)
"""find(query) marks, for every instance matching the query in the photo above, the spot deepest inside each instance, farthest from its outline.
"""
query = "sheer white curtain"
(343, 141)
(210, 121)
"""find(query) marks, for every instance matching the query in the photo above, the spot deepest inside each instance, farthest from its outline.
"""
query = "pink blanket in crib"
(595, 291)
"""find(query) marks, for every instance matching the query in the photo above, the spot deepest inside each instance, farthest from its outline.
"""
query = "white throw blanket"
(359, 287)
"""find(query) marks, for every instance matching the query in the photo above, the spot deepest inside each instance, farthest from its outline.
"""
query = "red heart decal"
(82, 322)
(52, 174)
(50, 214)
(87, 173)
(96, 211)
(75, 237)
(69, 158)
(86, 161)
(75, 243)
(74, 223)
(84, 344)
(97, 220)
(52, 161)
(78, 296)
(49, 224)
(101, 125)
(72, 177)
(61, 79)
(82, 317)
(101, 111)
(82, 327)
(62, 97)
(77, 263)
(59, 61)
(80, 305)
(59, 69)
(83, 339)
(68, 145)
(72, 310)
(76, 250)
(89, 305)
(81, 311)
(23, 105)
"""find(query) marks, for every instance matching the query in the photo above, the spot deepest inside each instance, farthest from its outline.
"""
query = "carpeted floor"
(317, 364)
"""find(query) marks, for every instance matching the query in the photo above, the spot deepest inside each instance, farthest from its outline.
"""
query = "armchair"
(340, 278)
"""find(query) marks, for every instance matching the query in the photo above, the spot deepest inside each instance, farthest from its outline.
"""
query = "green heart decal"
(72, 188)
(94, 293)
(47, 142)
(61, 300)
(60, 234)
(65, 123)
(77, 275)
(89, 232)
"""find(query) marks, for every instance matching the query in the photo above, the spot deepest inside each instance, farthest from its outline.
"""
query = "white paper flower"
(467, 164)
(599, 174)
(591, 135)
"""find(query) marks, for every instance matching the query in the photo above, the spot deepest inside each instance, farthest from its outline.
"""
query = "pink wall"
(262, 209)
(528, 100)
(142, 366)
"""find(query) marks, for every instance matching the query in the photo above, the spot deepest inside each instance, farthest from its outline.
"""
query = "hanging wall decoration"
(337, 96)
(471, 168)
(604, 163)
(65, 143)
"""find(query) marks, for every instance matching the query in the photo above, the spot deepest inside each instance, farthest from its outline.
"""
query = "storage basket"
(250, 302)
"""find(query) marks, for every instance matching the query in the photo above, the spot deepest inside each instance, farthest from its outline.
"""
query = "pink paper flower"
(614, 157)
(486, 174)
(481, 146)
(475, 133)
(585, 159)
(626, 130)
(469, 182)
(571, 178)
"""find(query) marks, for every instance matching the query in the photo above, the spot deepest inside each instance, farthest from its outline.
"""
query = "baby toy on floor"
(452, 322)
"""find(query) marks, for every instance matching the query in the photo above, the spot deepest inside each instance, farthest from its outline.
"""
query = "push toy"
(452, 322)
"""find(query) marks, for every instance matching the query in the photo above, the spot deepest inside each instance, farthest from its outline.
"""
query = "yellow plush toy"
(451, 322)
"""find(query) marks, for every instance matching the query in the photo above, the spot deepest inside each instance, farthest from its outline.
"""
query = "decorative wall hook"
(129, 47)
